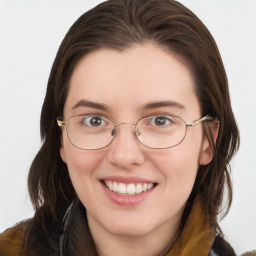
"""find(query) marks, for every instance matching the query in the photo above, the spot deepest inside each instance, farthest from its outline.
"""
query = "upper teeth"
(128, 189)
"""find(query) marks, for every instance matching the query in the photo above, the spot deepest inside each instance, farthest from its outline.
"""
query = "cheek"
(82, 168)
(81, 165)
(179, 166)
(78, 161)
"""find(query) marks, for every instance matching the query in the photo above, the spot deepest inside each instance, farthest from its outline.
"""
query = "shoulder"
(221, 248)
(12, 239)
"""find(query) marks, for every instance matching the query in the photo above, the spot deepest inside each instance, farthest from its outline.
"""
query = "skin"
(125, 82)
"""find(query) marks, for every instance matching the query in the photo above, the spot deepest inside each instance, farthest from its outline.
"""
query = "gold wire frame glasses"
(93, 132)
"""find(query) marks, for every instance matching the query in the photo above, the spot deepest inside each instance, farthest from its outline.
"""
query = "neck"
(155, 243)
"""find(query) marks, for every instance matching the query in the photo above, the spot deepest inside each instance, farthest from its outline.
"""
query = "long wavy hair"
(120, 24)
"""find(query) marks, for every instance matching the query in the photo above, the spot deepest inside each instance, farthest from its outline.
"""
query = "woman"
(138, 132)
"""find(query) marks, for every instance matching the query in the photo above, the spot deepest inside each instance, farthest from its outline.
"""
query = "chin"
(129, 230)
(130, 226)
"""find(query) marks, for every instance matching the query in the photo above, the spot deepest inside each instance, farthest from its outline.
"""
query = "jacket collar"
(196, 238)
(75, 238)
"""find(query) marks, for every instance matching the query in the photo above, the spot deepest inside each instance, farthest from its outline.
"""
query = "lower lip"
(127, 200)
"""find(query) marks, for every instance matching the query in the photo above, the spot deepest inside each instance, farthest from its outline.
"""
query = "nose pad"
(113, 132)
(138, 133)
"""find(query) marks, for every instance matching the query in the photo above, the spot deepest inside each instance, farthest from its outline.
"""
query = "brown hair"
(119, 24)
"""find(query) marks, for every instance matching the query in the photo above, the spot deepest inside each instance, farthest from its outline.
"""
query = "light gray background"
(30, 33)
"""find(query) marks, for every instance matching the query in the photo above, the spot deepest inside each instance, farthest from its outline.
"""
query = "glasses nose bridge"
(128, 123)
(121, 123)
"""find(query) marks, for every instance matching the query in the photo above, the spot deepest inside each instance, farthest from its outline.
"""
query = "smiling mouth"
(128, 189)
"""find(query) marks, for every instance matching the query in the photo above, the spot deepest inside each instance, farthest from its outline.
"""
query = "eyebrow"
(90, 104)
(151, 105)
(160, 104)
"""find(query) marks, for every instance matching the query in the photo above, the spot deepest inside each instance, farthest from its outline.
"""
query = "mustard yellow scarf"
(197, 237)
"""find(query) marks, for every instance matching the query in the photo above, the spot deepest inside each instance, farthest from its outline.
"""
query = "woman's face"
(124, 86)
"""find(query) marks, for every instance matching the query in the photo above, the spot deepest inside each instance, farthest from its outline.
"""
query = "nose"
(126, 151)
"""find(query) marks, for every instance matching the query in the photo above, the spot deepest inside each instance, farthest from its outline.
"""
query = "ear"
(211, 131)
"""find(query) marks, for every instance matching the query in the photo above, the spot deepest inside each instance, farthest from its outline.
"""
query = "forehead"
(131, 78)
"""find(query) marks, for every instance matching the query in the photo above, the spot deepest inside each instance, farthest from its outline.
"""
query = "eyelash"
(155, 113)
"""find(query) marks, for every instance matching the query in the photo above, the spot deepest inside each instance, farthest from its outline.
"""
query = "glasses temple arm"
(205, 118)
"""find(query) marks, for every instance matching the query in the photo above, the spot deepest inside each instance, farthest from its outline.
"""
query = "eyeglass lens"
(95, 132)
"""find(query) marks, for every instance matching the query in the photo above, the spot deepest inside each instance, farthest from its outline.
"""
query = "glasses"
(92, 132)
